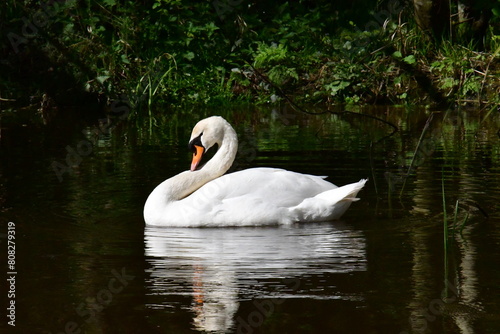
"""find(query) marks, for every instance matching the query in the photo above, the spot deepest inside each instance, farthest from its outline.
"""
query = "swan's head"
(206, 133)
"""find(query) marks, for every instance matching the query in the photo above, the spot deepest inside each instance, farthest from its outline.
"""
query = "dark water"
(85, 263)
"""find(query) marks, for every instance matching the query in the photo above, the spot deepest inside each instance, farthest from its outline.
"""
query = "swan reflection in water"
(219, 267)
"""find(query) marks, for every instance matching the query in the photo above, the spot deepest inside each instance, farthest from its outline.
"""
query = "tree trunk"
(433, 16)
(476, 19)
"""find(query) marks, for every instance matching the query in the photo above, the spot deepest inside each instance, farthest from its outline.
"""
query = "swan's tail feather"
(330, 204)
(350, 199)
(347, 192)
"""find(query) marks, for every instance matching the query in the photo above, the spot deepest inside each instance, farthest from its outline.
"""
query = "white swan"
(255, 196)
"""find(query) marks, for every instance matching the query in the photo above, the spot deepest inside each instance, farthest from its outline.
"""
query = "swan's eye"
(195, 142)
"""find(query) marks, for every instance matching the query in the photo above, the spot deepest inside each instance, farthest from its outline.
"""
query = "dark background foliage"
(177, 52)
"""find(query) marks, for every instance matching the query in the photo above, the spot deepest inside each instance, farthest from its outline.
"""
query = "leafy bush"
(171, 53)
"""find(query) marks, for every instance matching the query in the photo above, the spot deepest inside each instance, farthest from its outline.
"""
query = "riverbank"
(171, 54)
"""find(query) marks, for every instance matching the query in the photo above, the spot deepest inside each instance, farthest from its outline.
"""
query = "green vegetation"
(177, 53)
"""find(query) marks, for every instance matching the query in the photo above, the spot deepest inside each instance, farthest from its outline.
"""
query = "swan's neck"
(223, 159)
(185, 183)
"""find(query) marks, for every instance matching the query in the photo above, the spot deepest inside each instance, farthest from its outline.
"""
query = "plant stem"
(445, 233)
(424, 130)
(445, 218)
(455, 216)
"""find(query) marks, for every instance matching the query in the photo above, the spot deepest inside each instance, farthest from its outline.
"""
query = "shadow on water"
(86, 262)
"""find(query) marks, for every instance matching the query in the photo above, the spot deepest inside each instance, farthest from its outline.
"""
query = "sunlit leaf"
(102, 78)
(125, 59)
(409, 59)
(189, 55)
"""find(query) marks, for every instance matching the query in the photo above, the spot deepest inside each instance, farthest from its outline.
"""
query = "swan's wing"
(262, 196)
(277, 187)
(250, 196)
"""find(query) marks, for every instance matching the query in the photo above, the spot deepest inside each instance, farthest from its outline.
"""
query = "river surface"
(73, 192)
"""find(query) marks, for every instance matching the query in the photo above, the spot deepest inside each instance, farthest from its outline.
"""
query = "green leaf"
(189, 55)
(125, 59)
(409, 59)
(102, 78)
(449, 83)
(397, 54)
(337, 86)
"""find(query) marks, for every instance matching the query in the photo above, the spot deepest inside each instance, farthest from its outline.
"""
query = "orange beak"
(197, 157)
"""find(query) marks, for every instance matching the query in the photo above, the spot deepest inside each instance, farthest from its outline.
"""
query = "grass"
(418, 152)
(445, 217)
(449, 230)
